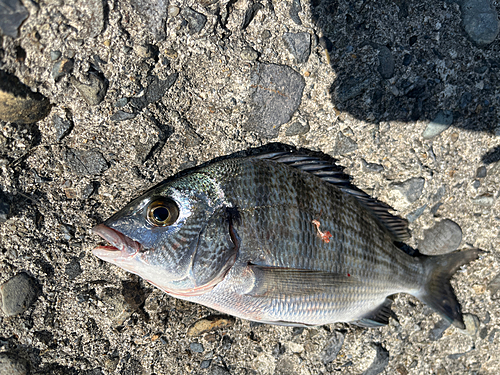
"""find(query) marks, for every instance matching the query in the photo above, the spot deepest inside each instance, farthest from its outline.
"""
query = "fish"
(280, 237)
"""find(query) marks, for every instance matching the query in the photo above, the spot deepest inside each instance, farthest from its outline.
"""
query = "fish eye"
(162, 212)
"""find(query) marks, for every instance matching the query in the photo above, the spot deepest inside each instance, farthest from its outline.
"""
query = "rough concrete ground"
(400, 92)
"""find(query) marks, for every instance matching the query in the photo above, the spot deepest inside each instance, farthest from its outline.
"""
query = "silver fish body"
(280, 239)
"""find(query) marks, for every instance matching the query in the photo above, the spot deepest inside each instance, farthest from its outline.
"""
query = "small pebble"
(412, 189)
(173, 11)
(465, 99)
(54, 55)
(122, 102)
(195, 21)
(122, 116)
(344, 145)
(494, 285)
(471, 324)
(407, 59)
(206, 363)
(480, 21)
(332, 347)
(441, 122)
(299, 45)
(209, 324)
(18, 294)
(484, 200)
(351, 88)
(297, 128)
(386, 62)
(196, 347)
(444, 237)
(412, 216)
(4, 207)
(295, 8)
(12, 15)
(62, 127)
(61, 68)
(249, 54)
(437, 332)
(481, 172)
(372, 167)
(380, 362)
(94, 92)
(275, 95)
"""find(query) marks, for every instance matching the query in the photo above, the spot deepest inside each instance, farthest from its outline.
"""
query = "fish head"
(159, 236)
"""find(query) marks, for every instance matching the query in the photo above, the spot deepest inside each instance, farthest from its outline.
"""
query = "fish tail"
(437, 291)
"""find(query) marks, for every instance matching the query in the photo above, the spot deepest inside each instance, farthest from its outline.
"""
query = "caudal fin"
(437, 292)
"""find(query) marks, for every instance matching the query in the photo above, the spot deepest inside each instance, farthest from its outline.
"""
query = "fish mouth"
(120, 245)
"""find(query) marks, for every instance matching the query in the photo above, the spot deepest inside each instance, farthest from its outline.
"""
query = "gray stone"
(276, 94)
(94, 92)
(196, 347)
(494, 285)
(295, 8)
(122, 102)
(153, 14)
(62, 127)
(86, 16)
(481, 172)
(332, 347)
(86, 163)
(4, 207)
(480, 21)
(437, 332)
(196, 21)
(380, 362)
(153, 92)
(54, 55)
(412, 216)
(344, 145)
(249, 54)
(411, 189)
(12, 15)
(444, 237)
(386, 62)
(11, 364)
(122, 116)
(465, 99)
(297, 128)
(218, 370)
(73, 268)
(351, 88)
(439, 194)
(485, 200)
(252, 9)
(206, 363)
(18, 103)
(472, 324)
(372, 167)
(145, 50)
(18, 294)
(491, 336)
(299, 45)
(441, 122)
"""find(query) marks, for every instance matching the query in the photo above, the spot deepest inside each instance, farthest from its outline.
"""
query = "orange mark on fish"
(325, 236)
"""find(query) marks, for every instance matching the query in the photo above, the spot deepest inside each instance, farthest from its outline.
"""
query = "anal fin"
(378, 317)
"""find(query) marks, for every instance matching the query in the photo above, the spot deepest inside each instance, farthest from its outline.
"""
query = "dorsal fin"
(324, 167)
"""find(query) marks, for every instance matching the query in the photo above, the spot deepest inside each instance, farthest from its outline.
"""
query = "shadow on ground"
(408, 61)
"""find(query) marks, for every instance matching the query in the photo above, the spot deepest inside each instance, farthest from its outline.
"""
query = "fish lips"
(122, 247)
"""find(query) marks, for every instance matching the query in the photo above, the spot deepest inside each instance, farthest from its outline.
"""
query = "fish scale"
(268, 239)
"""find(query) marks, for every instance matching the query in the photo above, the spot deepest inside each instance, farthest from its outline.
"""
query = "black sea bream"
(279, 238)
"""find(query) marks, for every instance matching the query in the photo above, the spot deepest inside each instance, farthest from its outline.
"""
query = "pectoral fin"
(275, 282)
